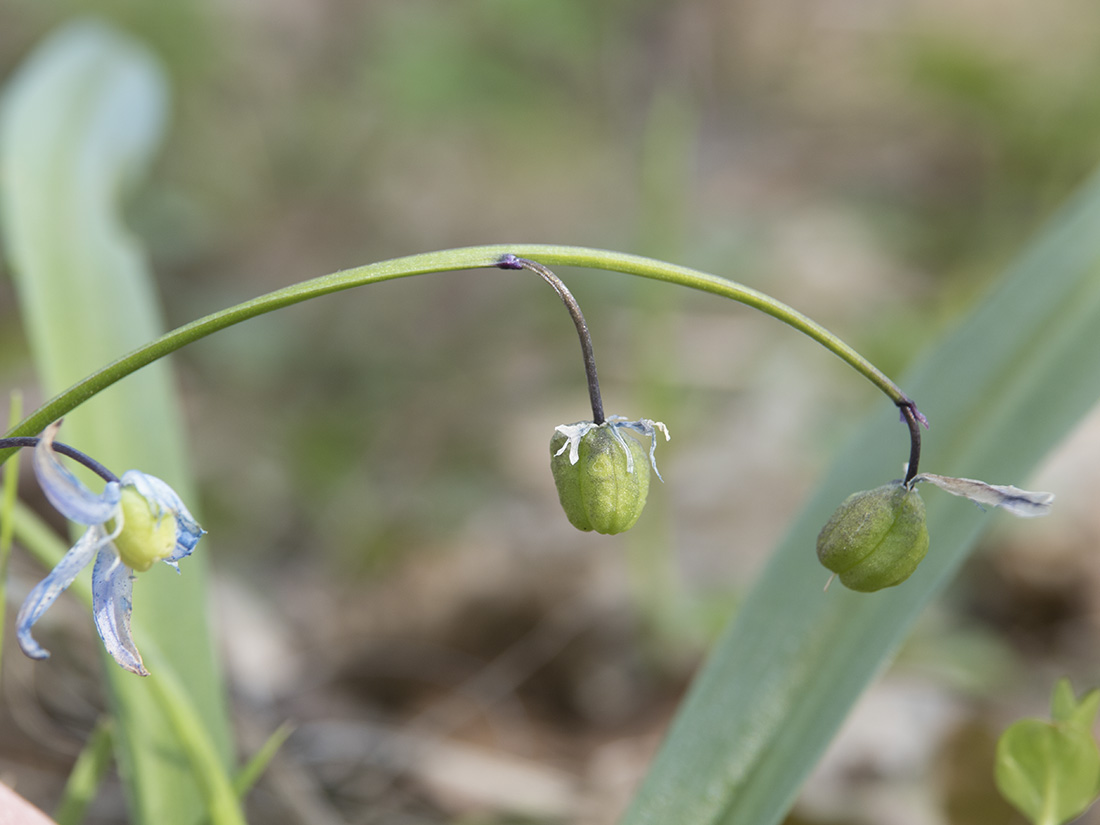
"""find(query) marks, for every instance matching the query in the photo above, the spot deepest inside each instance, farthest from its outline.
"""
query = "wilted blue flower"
(134, 522)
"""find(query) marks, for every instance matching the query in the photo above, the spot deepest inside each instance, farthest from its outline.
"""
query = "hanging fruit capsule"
(602, 477)
(876, 538)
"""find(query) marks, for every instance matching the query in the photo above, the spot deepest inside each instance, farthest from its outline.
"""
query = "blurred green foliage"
(1023, 134)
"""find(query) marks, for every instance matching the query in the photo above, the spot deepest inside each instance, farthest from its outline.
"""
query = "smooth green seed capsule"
(599, 492)
(876, 538)
(146, 536)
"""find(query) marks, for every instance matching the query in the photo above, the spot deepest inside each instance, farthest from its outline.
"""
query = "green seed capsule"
(876, 538)
(147, 536)
(605, 490)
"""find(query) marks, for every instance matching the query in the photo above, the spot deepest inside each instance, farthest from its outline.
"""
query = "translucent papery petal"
(65, 491)
(111, 609)
(46, 591)
(157, 492)
(188, 531)
(185, 543)
(1022, 503)
(573, 434)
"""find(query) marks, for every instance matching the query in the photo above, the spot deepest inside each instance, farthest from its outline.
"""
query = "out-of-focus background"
(393, 571)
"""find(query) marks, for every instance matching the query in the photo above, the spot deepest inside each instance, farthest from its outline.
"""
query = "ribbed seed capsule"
(876, 538)
(606, 489)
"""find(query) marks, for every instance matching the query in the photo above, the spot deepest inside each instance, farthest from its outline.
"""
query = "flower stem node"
(136, 521)
(603, 477)
(876, 538)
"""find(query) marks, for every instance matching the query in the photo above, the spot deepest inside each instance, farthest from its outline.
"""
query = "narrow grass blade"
(1001, 391)
(220, 800)
(250, 774)
(86, 775)
(78, 123)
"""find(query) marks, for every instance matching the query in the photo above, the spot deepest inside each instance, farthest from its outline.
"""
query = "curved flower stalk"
(136, 521)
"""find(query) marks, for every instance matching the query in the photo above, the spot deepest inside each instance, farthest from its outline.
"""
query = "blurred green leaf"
(1051, 771)
(220, 800)
(1000, 392)
(83, 783)
(1066, 709)
(1048, 771)
(79, 122)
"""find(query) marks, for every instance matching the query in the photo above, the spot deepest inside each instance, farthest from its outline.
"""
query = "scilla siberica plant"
(874, 540)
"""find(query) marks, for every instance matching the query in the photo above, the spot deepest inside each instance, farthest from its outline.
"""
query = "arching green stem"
(448, 260)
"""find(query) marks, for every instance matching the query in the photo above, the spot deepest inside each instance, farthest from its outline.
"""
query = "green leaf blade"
(1049, 772)
(79, 122)
(1066, 709)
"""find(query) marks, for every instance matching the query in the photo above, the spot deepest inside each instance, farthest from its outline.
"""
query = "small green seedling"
(1051, 770)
